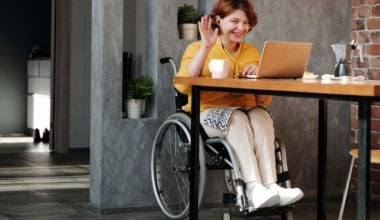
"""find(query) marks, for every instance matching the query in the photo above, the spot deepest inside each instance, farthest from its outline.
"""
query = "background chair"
(375, 159)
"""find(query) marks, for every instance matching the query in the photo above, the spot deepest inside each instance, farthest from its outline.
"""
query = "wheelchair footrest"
(270, 211)
(229, 199)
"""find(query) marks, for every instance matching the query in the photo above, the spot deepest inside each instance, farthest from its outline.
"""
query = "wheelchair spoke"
(185, 184)
(180, 191)
(172, 162)
(170, 167)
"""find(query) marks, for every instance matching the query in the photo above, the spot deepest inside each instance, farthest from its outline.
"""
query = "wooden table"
(362, 92)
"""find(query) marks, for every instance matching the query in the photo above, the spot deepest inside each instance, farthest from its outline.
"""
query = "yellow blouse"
(246, 54)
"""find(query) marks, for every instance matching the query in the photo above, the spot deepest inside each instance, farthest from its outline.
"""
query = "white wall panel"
(45, 68)
(39, 85)
(33, 68)
(30, 108)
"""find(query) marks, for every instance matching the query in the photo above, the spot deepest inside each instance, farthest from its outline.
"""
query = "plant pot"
(188, 31)
(134, 108)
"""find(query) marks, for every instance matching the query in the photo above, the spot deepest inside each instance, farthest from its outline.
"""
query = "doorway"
(25, 41)
(34, 30)
(71, 81)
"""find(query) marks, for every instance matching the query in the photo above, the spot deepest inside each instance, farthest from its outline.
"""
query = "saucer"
(309, 76)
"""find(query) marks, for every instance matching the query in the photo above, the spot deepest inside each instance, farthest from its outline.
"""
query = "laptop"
(283, 60)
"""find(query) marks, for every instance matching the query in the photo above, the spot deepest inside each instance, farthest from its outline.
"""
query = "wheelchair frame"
(170, 167)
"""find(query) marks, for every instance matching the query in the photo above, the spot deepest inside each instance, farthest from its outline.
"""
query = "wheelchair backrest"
(180, 99)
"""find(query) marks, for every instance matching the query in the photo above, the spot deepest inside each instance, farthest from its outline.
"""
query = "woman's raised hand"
(208, 37)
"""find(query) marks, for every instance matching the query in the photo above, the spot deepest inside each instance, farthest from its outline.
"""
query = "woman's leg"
(263, 130)
(263, 144)
(239, 135)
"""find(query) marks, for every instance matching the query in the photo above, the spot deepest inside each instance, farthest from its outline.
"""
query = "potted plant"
(187, 19)
(137, 91)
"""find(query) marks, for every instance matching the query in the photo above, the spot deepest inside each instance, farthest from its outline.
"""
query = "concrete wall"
(117, 144)
(323, 23)
(80, 66)
(120, 148)
(23, 24)
(134, 34)
(80, 72)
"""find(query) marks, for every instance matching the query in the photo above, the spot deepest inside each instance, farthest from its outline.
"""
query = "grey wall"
(135, 34)
(80, 72)
(80, 62)
(23, 23)
(323, 23)
(120, 148)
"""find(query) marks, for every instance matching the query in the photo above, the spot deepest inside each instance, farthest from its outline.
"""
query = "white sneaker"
(287, 195)
(260, 197)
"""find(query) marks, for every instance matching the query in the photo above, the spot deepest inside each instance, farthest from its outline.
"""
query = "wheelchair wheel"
(170, 167)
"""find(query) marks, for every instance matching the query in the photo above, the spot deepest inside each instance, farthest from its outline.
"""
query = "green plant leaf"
(187, 14)
(140, 88)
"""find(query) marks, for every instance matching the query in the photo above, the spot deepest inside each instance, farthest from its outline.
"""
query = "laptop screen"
(282, 59)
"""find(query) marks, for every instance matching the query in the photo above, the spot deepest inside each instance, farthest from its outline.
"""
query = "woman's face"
(235, 26)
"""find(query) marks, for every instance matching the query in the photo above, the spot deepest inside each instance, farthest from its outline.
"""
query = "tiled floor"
(38, 185)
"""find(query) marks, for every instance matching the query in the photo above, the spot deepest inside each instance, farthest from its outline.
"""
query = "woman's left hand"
(249, 70)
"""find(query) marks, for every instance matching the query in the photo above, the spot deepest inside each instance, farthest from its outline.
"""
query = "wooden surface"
(375, 155)
(370, 88)
(60, 82)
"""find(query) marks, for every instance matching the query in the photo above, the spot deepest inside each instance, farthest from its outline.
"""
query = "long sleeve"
(188, 55)
(246, 55)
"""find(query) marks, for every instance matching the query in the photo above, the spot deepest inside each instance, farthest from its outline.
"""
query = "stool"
(375, 159)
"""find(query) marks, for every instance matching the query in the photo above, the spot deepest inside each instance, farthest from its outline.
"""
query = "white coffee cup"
(218, 68)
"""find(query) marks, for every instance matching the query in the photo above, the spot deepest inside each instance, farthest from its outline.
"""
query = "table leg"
(322, 158)
(364, 137)
(194, 153)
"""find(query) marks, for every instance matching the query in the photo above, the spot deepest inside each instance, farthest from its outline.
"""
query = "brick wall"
(365, 30)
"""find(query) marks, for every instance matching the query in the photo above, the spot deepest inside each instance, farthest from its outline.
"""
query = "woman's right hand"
(208, 37)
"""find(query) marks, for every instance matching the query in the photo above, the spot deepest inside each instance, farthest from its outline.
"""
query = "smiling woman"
(241, 119)
(284, 20)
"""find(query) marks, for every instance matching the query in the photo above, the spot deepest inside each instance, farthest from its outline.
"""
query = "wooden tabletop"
(368, 88)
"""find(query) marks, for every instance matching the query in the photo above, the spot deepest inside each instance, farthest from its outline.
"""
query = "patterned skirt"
(219, 118)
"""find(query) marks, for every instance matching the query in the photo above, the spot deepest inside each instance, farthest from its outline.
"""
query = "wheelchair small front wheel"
(170, 167)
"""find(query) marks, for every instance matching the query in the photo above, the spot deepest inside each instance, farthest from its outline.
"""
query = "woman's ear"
(217, 19)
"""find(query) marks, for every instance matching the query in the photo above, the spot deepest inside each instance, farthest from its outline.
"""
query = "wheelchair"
(170, 167)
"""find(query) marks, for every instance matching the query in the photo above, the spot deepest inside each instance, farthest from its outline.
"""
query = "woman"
(248, 128)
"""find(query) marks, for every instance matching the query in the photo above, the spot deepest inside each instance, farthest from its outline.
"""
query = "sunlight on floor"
(44, 177)
(15, 144)
(10, 140)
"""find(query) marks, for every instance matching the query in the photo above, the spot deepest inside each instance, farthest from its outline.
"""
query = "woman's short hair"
(225, 7)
